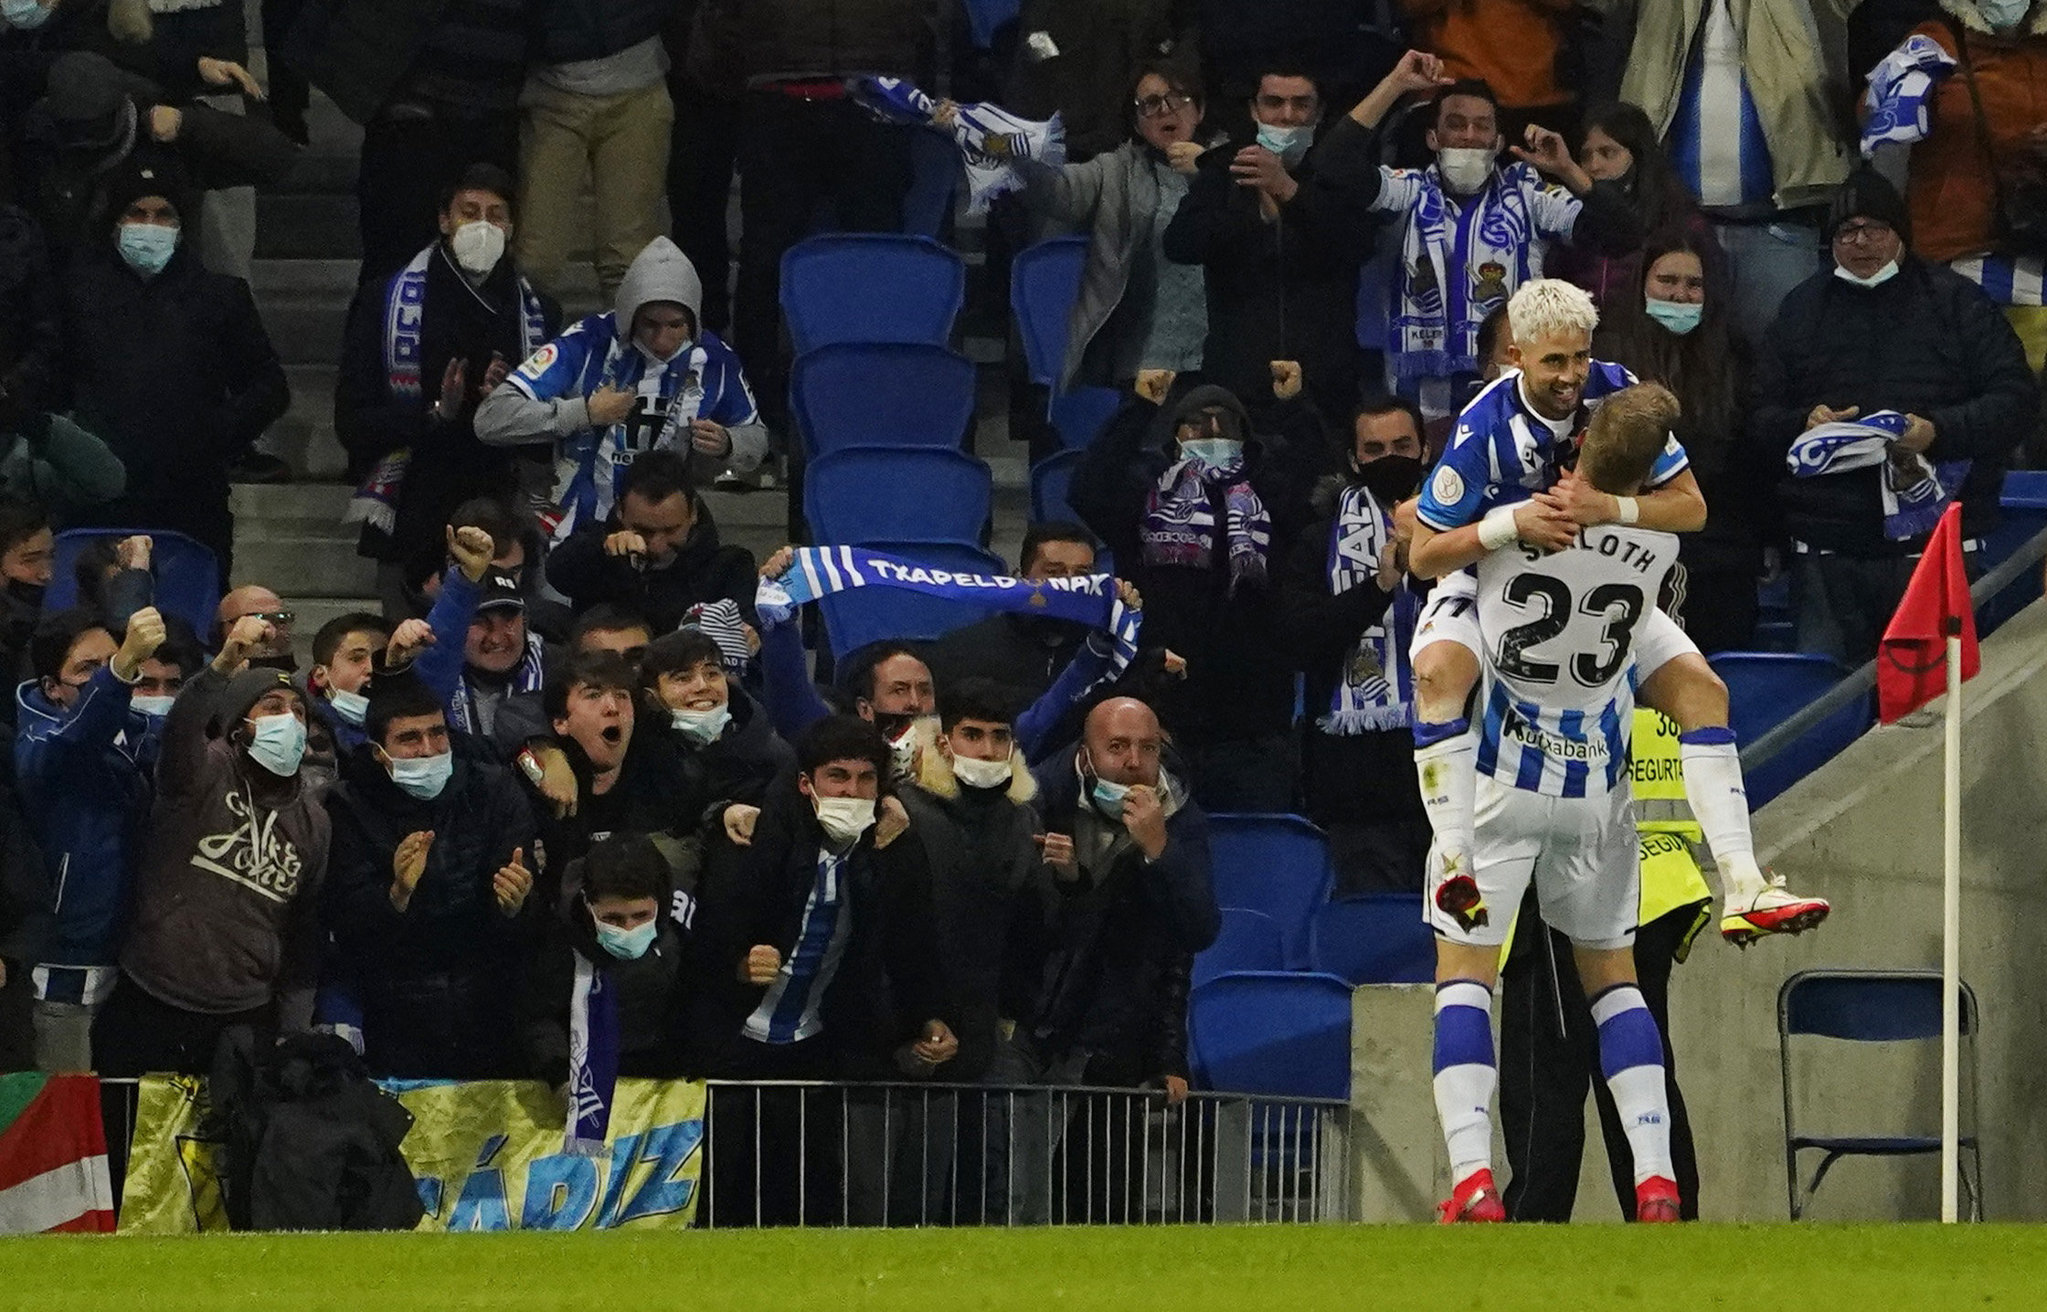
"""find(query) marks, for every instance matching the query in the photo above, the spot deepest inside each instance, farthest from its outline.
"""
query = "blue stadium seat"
(860, 495)
(1277, 1033)
(187, 573)
(1766, 688)
(1044, 281)
(1277, 864)
(871, 287)
(985, 18)
(1871, 1007)
(881, 394)
(1378, 938)
(1080, 415)
(854, 618)
(1050, 478)
(1249, 941)
(2024, 507)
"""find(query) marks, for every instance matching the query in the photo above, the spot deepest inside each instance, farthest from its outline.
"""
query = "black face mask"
(1391, 478)
(30, 594)
(893, 723)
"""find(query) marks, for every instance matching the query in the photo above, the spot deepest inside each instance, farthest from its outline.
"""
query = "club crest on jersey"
(1447, 486)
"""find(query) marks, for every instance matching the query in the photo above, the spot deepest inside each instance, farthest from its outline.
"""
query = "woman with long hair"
(1675, 330)
(1618, 144)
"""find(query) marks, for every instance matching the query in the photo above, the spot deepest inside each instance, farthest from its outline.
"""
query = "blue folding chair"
(1766, 688)
(1872, 1006)
(1277, 864)
(1050, 479)
(1079, 416)
(2024, 514)
(1249, 940)
(1378, 938)
(881, 394)
(858, 616)
(1281, 1034)
(870, 287)
(862, 494)
(1044, 282)
(187, 572)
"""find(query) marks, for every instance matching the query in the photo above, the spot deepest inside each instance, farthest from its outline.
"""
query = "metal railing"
(1859, 682)
(822, 1154)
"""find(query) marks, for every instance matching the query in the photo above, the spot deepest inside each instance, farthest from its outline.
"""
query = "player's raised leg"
(1445, 751)
(1684, 687)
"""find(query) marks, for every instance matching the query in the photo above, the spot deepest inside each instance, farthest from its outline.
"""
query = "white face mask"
(844, 819)
(1289, 143)
(1877, 279)
(2002, 15)
(350, 706)
(1464, 169)
(976, 773)
(154, 706)
(701, 727)
(478, 246)
(278, 744)
(422, 777)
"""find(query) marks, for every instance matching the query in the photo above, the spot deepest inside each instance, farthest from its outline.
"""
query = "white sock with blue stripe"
(1465, 1074)
(1719, 802)
(1631, 1056)
(1446, 759)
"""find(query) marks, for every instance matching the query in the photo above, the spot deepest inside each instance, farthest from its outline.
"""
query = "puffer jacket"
(830, 38)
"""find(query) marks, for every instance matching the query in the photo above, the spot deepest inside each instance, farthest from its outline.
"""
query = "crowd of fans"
(570, 739)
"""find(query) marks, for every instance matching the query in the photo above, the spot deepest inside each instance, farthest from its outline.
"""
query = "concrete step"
(304, 437)
(290, 537)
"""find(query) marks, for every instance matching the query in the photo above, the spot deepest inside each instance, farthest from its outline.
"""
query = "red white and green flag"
(53, 1156)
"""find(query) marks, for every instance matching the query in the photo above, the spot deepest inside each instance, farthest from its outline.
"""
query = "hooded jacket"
(991, 893)
(226, 903)
(1239, 682)
(1925, 342)
(704, 570)
(1123, 943)
(546, 398)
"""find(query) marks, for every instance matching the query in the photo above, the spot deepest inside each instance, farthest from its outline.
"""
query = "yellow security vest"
(1670, 874)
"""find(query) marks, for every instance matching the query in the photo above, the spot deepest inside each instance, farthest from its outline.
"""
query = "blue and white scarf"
(1088, 599)
(1376, 691)
(1914, 492)
(1179, 521)
(1900, 95)
(527, 676)
(593, 1059)
(1453, 276)
(991, 139)
(376, 502)
(2006, 279)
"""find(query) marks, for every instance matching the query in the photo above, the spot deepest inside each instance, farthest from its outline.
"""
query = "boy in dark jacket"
(699, 713)
(427, 898)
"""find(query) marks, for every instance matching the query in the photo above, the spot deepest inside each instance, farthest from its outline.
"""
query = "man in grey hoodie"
(643, 376)
(225, 928)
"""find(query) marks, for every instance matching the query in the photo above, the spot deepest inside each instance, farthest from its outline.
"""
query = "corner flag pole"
(1951, 938)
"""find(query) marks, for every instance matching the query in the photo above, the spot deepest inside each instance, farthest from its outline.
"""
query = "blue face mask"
(423, 777)
(1214, 452)
(702, 727)
(2002, 15)
(1289, 143)
(24, 14)
(350, 706)
(278, 744)
(627, 944)
(1108, 797)
(148, 247)
(1677, 316)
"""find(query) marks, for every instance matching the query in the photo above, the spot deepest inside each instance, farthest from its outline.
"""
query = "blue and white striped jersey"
(1716, 139)
(701, 381)
(1560, 661)
(1503, 451)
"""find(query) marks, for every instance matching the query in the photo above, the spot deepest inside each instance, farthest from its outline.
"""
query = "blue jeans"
(1767, 260)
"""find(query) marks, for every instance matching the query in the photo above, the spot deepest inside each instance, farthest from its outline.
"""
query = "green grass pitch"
(1300, 1268)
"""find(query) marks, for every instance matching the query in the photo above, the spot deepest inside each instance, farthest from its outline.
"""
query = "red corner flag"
(1911, 661)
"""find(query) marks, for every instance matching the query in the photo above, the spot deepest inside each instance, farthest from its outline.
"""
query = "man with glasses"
(1888, 386)
(1281, 251)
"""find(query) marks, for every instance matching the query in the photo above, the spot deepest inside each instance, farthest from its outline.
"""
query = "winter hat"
(1234, 419)
(135, 178)
(245, 690)
(1867, 194)
(90, 108)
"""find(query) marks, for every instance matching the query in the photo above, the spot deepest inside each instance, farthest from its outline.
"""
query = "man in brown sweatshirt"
(224, 930)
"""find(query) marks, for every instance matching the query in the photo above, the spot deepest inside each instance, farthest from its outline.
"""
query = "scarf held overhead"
(1088, 599)
(1913, 490)
(375, 503)
(1376, 691)
(1179, 520)
(991, 139)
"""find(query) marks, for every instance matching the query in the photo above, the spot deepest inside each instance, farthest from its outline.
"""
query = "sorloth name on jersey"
(1634, 555)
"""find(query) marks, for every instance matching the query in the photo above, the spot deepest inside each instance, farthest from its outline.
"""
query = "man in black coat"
(1882, 330)
(170, 364)
(659, 555)
(427, 900)
(422, 351)
(1022, 652)
(31, 321)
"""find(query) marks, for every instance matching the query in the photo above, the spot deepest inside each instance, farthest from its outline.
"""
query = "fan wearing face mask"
(430, 897)
(422, 351)
(1279, 249)
(1680, 332)
(224, 926)
(1617, 144)
(701, 712)
(1472, 228)
(1883, 330)
(1348, 610)
(823, 953)
(625, 916)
